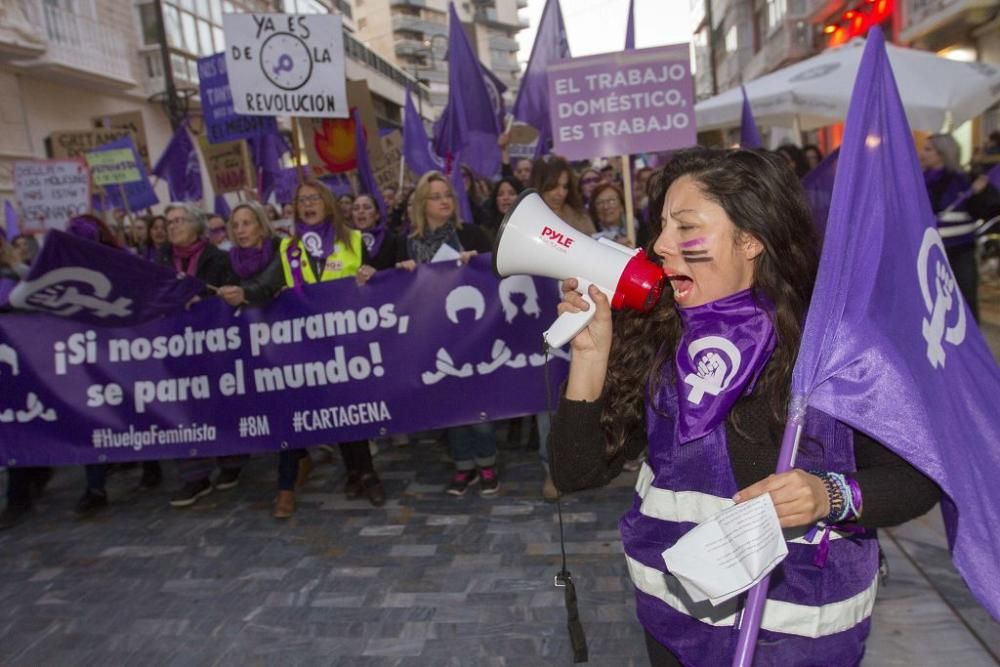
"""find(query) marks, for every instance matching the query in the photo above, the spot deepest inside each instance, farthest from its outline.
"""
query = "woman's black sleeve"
(261, 288)
(576, 447)
(892, 490)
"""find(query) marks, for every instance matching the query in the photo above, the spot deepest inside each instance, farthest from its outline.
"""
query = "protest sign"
(622, 103)
(222, 123)
(50, 192)
(387, 173)
(138, 193)
(290, 64)
(329, 142)
(228, 165)
(74, 143)
(443, 346)
(110, 167)
(129, 120)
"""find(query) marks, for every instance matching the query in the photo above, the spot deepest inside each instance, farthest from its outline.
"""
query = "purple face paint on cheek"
(693, 242)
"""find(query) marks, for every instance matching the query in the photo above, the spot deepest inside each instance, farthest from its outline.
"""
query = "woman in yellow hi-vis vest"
(322, 249)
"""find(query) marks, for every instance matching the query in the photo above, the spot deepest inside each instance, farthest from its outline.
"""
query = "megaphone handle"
(568, 325)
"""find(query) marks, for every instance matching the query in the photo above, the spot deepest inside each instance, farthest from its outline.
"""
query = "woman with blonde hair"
(325, 248)
(436, 222)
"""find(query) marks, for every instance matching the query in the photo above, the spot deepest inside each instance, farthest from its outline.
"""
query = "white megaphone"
(533, 240)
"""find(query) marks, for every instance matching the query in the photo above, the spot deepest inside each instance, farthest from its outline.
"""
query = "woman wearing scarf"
(958, 205)
(380, 242)
(257, 263)
(734, 234)
(324, 248)
(189, 252)
(436, 223)
(556, 182)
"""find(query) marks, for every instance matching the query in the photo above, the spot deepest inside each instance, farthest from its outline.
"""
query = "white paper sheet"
(729, 553)
(445, 254)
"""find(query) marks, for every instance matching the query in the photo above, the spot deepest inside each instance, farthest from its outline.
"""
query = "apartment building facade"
(65, 64)
(414, 35)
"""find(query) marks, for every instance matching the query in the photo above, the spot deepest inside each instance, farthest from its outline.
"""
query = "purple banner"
(442, 346)
(622, 103)
(93, 284)
(221, 122)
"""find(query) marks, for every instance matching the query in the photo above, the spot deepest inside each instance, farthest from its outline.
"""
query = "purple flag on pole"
(890, 346)
(818, 184)
(749, 136)
(417, 150)
(532, 103)
(138, 194)
(222, 206)
(267, 150)
(630, 28)
(469, 123)
(495, 88)
(366, 180)
(91, 283)
(179, 167)
(11, 227)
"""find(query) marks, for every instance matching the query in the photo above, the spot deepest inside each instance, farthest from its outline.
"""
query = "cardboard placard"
(287, 64)
(74, 143)
(387, 172)
(228, 165)
(50, 192)
(113, 167)
(129, 120)
(221, 122)
(329, 142)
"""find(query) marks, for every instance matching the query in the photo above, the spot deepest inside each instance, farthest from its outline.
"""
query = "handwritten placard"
(50, 192)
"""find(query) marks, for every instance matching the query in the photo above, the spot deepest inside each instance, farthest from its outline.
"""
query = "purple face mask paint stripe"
(692, 242)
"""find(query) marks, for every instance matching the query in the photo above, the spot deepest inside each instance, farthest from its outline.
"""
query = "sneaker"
(151, 478)
(491, 485)
(227, 479)
(462, 480)
(352, 487)
(373, 489)
(12, 516)
(550, 493)
(90, 503)
(190, 493)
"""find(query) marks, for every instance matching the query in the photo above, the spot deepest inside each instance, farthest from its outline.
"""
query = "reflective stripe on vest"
(786, 617)
(697, 507)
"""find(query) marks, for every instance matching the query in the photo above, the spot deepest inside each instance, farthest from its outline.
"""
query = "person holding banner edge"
(736, 242)
(324, 248)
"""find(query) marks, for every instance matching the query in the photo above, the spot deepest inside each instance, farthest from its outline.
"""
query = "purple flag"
(461, 194)
(495, 88)
(222, 206)
(369, 186)
(339, 184)
(532, 103)
(749, 136)
(890, 346)
(11, 227)
(267, 150)
(179, 167)
(91, 283)
(630, 28)
(417, 150)
(818, 184)
(469, 123)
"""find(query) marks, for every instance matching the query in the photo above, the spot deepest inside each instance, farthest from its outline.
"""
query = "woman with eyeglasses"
(190, 253)
(218, 232)
(555, 181)
(380, 242)
(325, 248)
(436, 223)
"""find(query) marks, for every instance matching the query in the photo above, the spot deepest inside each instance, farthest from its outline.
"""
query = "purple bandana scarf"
(725, 345)
(249, 262)
(373, 238)
(317, 239)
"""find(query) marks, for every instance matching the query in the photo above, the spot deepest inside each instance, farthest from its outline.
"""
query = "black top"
(470, 236)
(261, 287)
(385, 258)
(213, 267)
(892, 490)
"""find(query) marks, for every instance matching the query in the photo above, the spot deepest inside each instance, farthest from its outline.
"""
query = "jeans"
(472, 445)
(544, 427)
(19, 481)
(97, 473)
(288, 467)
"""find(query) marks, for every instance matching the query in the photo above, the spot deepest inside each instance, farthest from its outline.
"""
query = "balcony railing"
(78, 46)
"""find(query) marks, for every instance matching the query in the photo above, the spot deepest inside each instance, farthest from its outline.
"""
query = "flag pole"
(629, 209)
(295, 149)
(402, 170)
(753, 610)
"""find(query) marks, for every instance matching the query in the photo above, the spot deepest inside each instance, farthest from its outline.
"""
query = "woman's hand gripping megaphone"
(593, 341)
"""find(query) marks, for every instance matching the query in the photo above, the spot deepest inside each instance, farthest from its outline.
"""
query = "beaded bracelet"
(844, 495)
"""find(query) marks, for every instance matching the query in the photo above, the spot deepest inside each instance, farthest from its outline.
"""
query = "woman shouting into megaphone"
(704, 379)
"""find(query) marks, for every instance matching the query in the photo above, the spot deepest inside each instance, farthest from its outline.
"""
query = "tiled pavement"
(427, 580)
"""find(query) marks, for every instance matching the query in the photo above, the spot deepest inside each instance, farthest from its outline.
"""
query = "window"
(148, 24)
(731, 40)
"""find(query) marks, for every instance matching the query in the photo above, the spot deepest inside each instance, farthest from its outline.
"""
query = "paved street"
(426, 580)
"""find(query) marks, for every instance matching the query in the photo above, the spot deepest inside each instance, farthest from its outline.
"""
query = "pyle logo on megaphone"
(532, 240)
(556, 239)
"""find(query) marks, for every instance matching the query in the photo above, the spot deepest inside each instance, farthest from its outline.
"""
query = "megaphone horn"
(533, 240)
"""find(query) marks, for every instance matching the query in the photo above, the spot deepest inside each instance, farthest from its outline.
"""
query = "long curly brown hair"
(763, 198)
